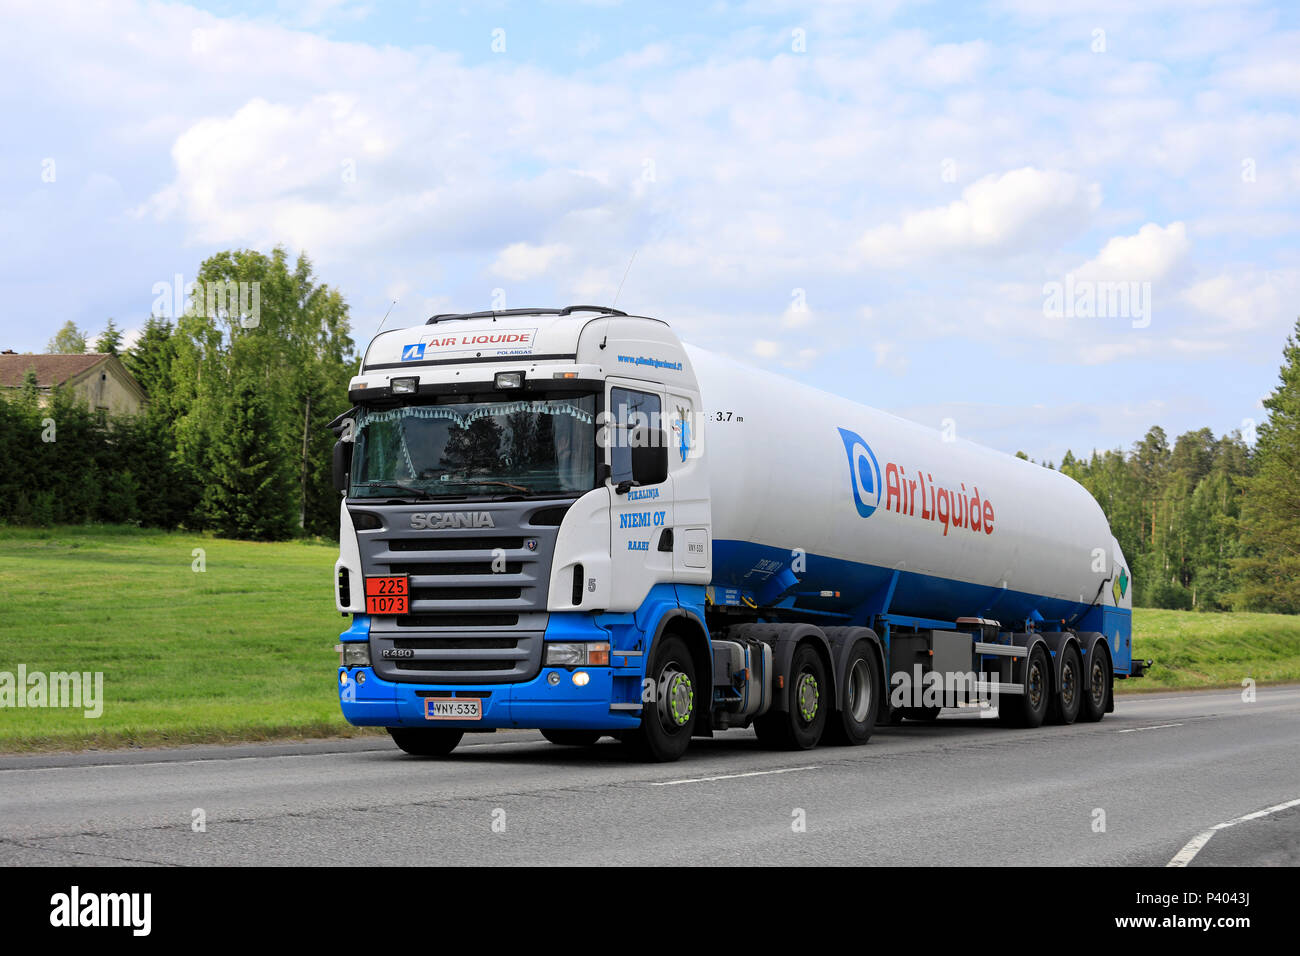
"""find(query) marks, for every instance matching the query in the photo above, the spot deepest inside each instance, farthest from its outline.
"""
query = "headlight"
(581, 654)
(356, 654)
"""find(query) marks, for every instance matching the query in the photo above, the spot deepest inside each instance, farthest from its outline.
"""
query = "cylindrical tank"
(814, 493)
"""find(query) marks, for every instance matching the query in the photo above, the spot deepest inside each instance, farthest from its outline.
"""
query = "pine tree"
(1270, 515)
(110, 340)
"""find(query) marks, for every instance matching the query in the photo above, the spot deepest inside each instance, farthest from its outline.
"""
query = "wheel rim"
(676, 698)
(859, 691)
(1068, 684)
(1097, 684)
(807, 696)
(1035, 685)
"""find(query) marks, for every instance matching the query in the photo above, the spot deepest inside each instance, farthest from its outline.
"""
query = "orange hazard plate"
(390, 594)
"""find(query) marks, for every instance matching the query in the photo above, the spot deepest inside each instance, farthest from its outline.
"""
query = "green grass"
(244, 650)
(1193, 649)
(241, 651)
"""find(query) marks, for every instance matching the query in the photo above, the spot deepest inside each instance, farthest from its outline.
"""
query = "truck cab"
(525, 507)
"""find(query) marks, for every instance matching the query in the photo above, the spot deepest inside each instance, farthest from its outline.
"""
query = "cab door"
(638, 436)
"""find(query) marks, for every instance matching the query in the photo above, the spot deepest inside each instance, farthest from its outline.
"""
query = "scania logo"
(437, 520)
(864, 473)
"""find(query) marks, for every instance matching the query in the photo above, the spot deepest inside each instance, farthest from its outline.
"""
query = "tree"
(1270, 513)
(69, 340)
(110, 340)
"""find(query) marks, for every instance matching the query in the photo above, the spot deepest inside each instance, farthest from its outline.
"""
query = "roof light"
(565, 375)
(510, 380)
(404, 386)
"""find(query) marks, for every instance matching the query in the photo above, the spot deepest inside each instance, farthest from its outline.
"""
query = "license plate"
(389, 594)
(453, 708)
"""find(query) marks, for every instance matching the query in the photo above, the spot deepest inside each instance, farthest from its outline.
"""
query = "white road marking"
(1197, 843)
(731, 776)
(1133, 730)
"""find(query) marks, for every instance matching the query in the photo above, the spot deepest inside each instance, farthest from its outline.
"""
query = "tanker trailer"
(565, 519)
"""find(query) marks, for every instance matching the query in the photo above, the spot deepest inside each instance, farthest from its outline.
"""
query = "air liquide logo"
(948, 504)
(864, 473)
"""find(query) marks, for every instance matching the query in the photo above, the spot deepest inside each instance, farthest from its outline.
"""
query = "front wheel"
(426, 741)
(800, 726)
(666, 719)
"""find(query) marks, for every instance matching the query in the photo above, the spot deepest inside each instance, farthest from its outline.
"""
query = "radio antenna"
(386, 315)
(624, 279)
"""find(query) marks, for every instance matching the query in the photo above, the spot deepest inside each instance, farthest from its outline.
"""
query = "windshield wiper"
(417, 493)
(499, 484)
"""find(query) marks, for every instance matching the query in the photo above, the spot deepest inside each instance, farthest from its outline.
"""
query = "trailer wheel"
(1099, 687)
(666, 721)
(426, 741)
(1029, 709)
(801, 726)
(853, 721)
(1067, 696)
(572, 738)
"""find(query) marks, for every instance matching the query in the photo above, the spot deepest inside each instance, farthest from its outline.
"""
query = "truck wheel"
(1029, 709)
(572, 738)
(854, 720)
(426, 741)
(666, 722)
(1067, 696)
(800, 727)
(1100, 685)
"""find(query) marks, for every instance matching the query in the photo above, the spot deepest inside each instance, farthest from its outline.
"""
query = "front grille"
(478, 596)
(483, 543)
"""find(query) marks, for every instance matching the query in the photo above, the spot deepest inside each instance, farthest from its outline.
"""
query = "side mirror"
(649, 457)
(342, 462)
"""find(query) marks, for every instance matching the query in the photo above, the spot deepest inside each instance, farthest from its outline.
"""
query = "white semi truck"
(566, 519)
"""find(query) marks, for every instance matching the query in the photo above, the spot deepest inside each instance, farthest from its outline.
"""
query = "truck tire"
(852, 722)
(1067, 695)
(426, 741)
(1098, 685)
(572, 738)
(667, 721)
(1030, 708)
(801, 726)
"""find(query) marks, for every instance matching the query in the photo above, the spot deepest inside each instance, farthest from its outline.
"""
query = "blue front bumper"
(536, 703)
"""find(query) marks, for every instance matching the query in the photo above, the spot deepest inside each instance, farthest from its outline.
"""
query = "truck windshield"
(530, 447)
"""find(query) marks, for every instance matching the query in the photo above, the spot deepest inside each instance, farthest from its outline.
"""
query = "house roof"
(52, 370)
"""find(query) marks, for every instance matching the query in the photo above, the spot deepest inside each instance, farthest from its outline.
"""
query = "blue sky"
(873, 198)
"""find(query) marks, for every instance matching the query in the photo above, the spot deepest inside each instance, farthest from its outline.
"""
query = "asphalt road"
(1157, 772)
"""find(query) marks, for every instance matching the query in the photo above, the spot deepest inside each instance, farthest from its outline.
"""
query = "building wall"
(104, 388)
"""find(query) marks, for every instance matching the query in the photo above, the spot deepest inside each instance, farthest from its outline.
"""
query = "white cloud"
(996, 215)
(1149, 255)
(765, 348)
(522, 260)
